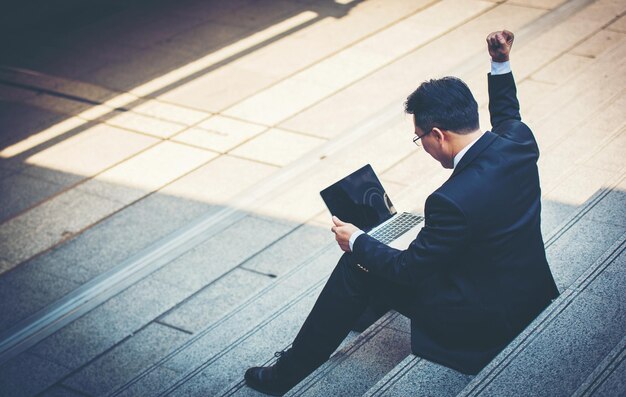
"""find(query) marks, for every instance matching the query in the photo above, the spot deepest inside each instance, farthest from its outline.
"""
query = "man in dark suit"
(476, 274)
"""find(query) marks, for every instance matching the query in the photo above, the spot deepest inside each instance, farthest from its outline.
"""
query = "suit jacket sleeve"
(437, 245)
(503, 103)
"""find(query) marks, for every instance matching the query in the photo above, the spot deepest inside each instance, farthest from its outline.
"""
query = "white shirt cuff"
(500, 68)
(354, 236)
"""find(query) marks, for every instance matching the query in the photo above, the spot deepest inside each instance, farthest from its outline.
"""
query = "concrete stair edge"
(419, 376)
(604, 371)
(422, 376)
(583, 209)
(402, 368)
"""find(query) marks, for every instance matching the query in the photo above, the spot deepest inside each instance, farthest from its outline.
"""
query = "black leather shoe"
(277, 379)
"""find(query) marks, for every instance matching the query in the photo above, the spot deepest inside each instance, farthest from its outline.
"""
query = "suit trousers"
(345, 297)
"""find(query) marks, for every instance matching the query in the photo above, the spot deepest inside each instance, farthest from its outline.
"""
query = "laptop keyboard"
(396, 227)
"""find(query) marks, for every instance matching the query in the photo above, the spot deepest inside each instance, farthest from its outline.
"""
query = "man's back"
(501, 279)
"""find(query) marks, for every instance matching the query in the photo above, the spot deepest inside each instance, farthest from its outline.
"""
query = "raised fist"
(499, 45)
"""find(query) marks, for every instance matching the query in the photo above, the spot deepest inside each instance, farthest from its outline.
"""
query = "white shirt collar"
(460, 154)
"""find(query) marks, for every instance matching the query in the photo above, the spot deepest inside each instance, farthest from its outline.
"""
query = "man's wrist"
(500, 67)
(354, 236)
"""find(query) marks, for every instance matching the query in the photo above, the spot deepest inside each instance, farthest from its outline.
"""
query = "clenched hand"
(499, 45)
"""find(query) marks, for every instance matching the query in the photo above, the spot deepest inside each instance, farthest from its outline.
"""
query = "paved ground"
(160, 165)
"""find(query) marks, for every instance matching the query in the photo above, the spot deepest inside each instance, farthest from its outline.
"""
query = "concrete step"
(267, 315)
(218, 359)
(108, 332)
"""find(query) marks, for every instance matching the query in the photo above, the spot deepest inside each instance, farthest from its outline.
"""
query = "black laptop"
(361, 199)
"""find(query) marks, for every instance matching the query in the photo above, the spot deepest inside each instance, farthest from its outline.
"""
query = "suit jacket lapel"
(480, 145)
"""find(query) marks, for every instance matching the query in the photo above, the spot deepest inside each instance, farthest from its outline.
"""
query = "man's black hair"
(445, 103)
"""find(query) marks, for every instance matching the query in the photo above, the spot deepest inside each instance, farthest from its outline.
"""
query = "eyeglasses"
(416, 139)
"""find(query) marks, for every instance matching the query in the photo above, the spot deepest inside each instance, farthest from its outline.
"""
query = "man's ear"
(438, 134)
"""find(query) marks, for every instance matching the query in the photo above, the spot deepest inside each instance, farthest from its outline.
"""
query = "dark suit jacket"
(478, 266)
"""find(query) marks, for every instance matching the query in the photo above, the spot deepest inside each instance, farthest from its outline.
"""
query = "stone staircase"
(192, 325)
